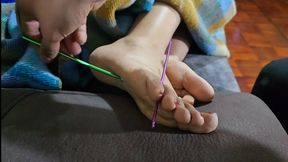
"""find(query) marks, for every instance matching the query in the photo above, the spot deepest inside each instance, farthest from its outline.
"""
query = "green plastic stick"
(78, 60)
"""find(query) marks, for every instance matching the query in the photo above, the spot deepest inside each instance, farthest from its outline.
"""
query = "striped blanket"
(21, 65)
(205, 19)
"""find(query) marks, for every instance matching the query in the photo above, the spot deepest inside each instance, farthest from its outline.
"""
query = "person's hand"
(57, 23)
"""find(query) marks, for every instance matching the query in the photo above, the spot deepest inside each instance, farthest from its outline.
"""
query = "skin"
(56, 23)
(148, 39)
(130, 57)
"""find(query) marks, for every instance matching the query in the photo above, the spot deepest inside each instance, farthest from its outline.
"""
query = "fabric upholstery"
(81, 126)
(216, 70)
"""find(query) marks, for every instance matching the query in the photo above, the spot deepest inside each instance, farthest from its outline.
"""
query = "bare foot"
(191, 86)
(187, 83)
(140, 65)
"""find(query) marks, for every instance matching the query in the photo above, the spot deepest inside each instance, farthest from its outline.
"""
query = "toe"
(210, 122)
(181, 114)
(189, 99)
(201, 122)
(186, 81)
(169, 99)
(209, 125)
(166, 121)
(197, 86)
(196, 118)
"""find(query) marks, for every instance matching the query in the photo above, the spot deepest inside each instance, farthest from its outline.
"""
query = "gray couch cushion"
(216, 70)
(78, 126)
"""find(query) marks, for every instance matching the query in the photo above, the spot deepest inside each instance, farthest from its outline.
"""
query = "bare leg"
(181, 41)
(138, 58)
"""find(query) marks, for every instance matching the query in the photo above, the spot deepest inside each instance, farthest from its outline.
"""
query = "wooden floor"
(255, 36)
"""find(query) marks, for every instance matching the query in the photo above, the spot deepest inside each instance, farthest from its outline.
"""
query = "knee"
(272, 77)
(277, 69)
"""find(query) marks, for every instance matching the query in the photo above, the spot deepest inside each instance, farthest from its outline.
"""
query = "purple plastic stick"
(162, 82)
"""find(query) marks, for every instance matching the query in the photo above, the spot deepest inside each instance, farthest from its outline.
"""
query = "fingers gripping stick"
(78, 60)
